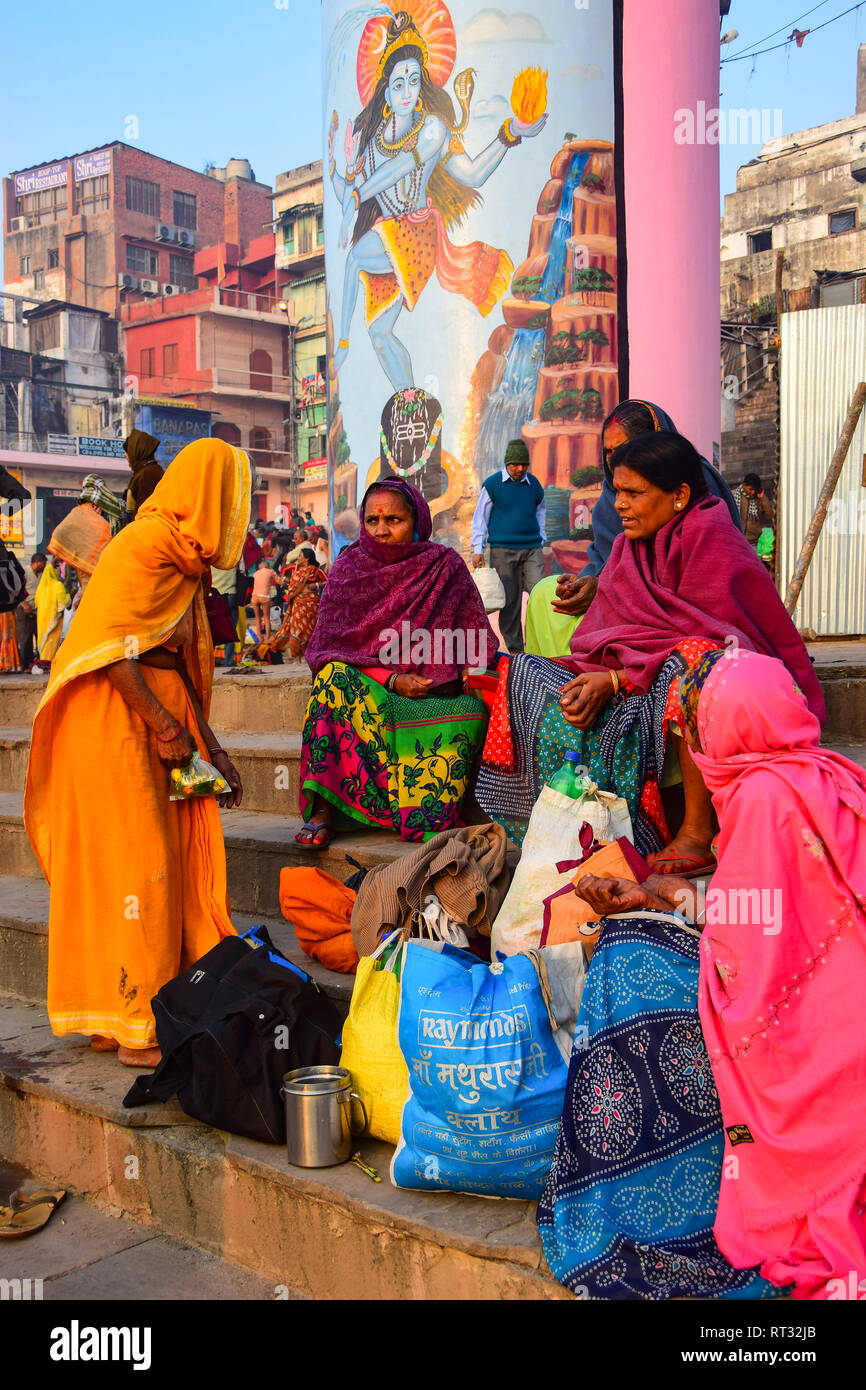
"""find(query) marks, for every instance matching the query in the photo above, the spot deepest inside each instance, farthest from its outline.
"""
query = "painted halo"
(433, 21)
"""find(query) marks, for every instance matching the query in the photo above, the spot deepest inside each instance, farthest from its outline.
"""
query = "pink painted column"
(671, 62)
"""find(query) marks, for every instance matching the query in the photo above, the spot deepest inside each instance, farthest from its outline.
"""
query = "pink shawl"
(697, 577)
(783, 983)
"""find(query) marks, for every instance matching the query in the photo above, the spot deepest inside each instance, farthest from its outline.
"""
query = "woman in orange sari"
(138, 882)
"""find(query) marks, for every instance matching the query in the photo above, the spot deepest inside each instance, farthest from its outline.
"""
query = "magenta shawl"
(782, 992)
(697, 577)
(413, 589)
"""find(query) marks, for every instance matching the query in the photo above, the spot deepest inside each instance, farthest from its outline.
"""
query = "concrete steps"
(324, 1234)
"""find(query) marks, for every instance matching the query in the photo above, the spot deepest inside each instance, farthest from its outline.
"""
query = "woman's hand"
(582, 700)
(607, 896)
(224, 765)
(573, 596)
(412, 687)
(179, 750)
(528, 131)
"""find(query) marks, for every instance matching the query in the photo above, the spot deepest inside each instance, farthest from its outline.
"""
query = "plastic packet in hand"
(196, 778)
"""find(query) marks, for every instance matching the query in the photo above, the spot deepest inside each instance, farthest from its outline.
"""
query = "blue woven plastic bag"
(486, 1075)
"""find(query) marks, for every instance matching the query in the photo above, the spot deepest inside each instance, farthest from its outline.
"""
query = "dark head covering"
(374, 587)
(516, 451)
(140, 449)
(606, 525)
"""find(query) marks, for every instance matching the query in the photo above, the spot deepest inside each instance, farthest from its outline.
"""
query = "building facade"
(804, 196)
(300, 264)
(117, 224)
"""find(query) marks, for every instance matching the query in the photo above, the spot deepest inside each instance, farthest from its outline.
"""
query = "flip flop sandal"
(29, 1214)
(696, 868)
(310, 837)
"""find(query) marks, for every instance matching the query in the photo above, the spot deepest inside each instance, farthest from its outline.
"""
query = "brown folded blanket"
(465, 868)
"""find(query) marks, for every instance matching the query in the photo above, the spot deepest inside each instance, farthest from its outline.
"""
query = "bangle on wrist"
(170, 738)
(615, 682)
(391, 681)
(356, 195)
(213, 751)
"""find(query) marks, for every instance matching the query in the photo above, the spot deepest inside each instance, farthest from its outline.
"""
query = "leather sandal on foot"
(30, 1213)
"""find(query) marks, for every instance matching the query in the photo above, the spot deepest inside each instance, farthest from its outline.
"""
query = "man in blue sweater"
(511, 513)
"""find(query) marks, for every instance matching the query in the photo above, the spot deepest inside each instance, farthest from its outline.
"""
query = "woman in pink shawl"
(389, 737)
(783, 973)
(681, 580)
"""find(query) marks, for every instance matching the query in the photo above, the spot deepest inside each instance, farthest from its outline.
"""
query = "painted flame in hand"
(529, 95)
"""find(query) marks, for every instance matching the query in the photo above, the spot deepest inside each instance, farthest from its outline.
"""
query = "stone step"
(258, 845)
(269, 700)
(268, 763)
(323, 1233)
(24, 944)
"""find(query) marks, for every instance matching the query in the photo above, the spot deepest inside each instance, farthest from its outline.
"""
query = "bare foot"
(139, 1056)
(100, 1043)
(686, 854)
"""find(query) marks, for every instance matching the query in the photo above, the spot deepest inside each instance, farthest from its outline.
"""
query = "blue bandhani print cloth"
(630, 1201)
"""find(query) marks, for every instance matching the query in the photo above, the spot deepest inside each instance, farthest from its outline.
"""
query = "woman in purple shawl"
(680, 581)
(389, 738)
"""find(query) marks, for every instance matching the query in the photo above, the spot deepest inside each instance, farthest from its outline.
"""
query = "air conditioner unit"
(165, 233)
(148, 286)
(125, 281)
(19, 224)
(172, 289)
(185, 237)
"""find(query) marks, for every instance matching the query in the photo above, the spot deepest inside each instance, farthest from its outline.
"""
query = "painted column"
(672, 210)
(475, 235)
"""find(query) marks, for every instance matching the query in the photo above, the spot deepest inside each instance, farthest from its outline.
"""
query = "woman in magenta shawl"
(782, 976)
(681, 580)
(389, 738)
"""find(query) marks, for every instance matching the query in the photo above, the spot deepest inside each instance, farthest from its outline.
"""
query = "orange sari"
(138, 882)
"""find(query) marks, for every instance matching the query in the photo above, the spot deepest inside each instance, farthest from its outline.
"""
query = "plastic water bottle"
(571, 777)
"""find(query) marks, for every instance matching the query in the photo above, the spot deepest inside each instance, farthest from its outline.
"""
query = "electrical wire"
(739, 58)
(746, 52)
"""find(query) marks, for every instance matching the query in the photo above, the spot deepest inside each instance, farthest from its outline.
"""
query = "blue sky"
(208, 81)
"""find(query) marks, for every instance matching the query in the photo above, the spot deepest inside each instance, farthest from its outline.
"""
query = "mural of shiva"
(408, 181)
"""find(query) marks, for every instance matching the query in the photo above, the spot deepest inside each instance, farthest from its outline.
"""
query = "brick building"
(300, 264)
(116, 224)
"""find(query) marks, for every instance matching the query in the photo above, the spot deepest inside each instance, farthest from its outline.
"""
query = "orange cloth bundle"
(319, 907)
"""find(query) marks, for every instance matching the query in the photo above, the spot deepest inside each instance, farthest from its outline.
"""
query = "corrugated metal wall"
(823, 358)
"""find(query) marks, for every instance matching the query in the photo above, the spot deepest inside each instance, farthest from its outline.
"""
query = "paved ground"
(84, 1255)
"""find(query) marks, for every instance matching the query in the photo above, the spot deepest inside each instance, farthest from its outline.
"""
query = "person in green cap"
(510, 513)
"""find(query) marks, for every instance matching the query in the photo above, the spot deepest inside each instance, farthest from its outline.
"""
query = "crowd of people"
(677, 666)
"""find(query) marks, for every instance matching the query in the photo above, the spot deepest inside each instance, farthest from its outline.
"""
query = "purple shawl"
(697, 577)
(410, 590)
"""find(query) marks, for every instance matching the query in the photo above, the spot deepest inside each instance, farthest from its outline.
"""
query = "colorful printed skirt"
(296, 628)
(631, 1198)
(385, 761)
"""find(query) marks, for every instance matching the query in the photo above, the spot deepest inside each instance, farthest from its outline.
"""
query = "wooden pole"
(804, 559)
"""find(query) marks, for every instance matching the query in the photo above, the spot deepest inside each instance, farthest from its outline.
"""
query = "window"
(289, 234)
(145, 362)
(230, 433)
(53, 258)
(305, 235)
(181, 271)
(760, 241)
(39, 279)
(184, 210)
(169, 359)
(142, 196)
(320, 229)
(45, 333)
(843, 221)
(23, 265)
(92, 195)
(260, 445)
(47, 206)
(322, 366)
(261, 370)
(142, 261)
(838, 292)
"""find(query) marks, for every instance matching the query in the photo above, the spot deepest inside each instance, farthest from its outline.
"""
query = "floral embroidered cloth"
(630, 1201)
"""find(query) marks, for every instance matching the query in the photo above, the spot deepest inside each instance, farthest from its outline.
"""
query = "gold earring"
(386, 112)
(678, 506)
(419, 105)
